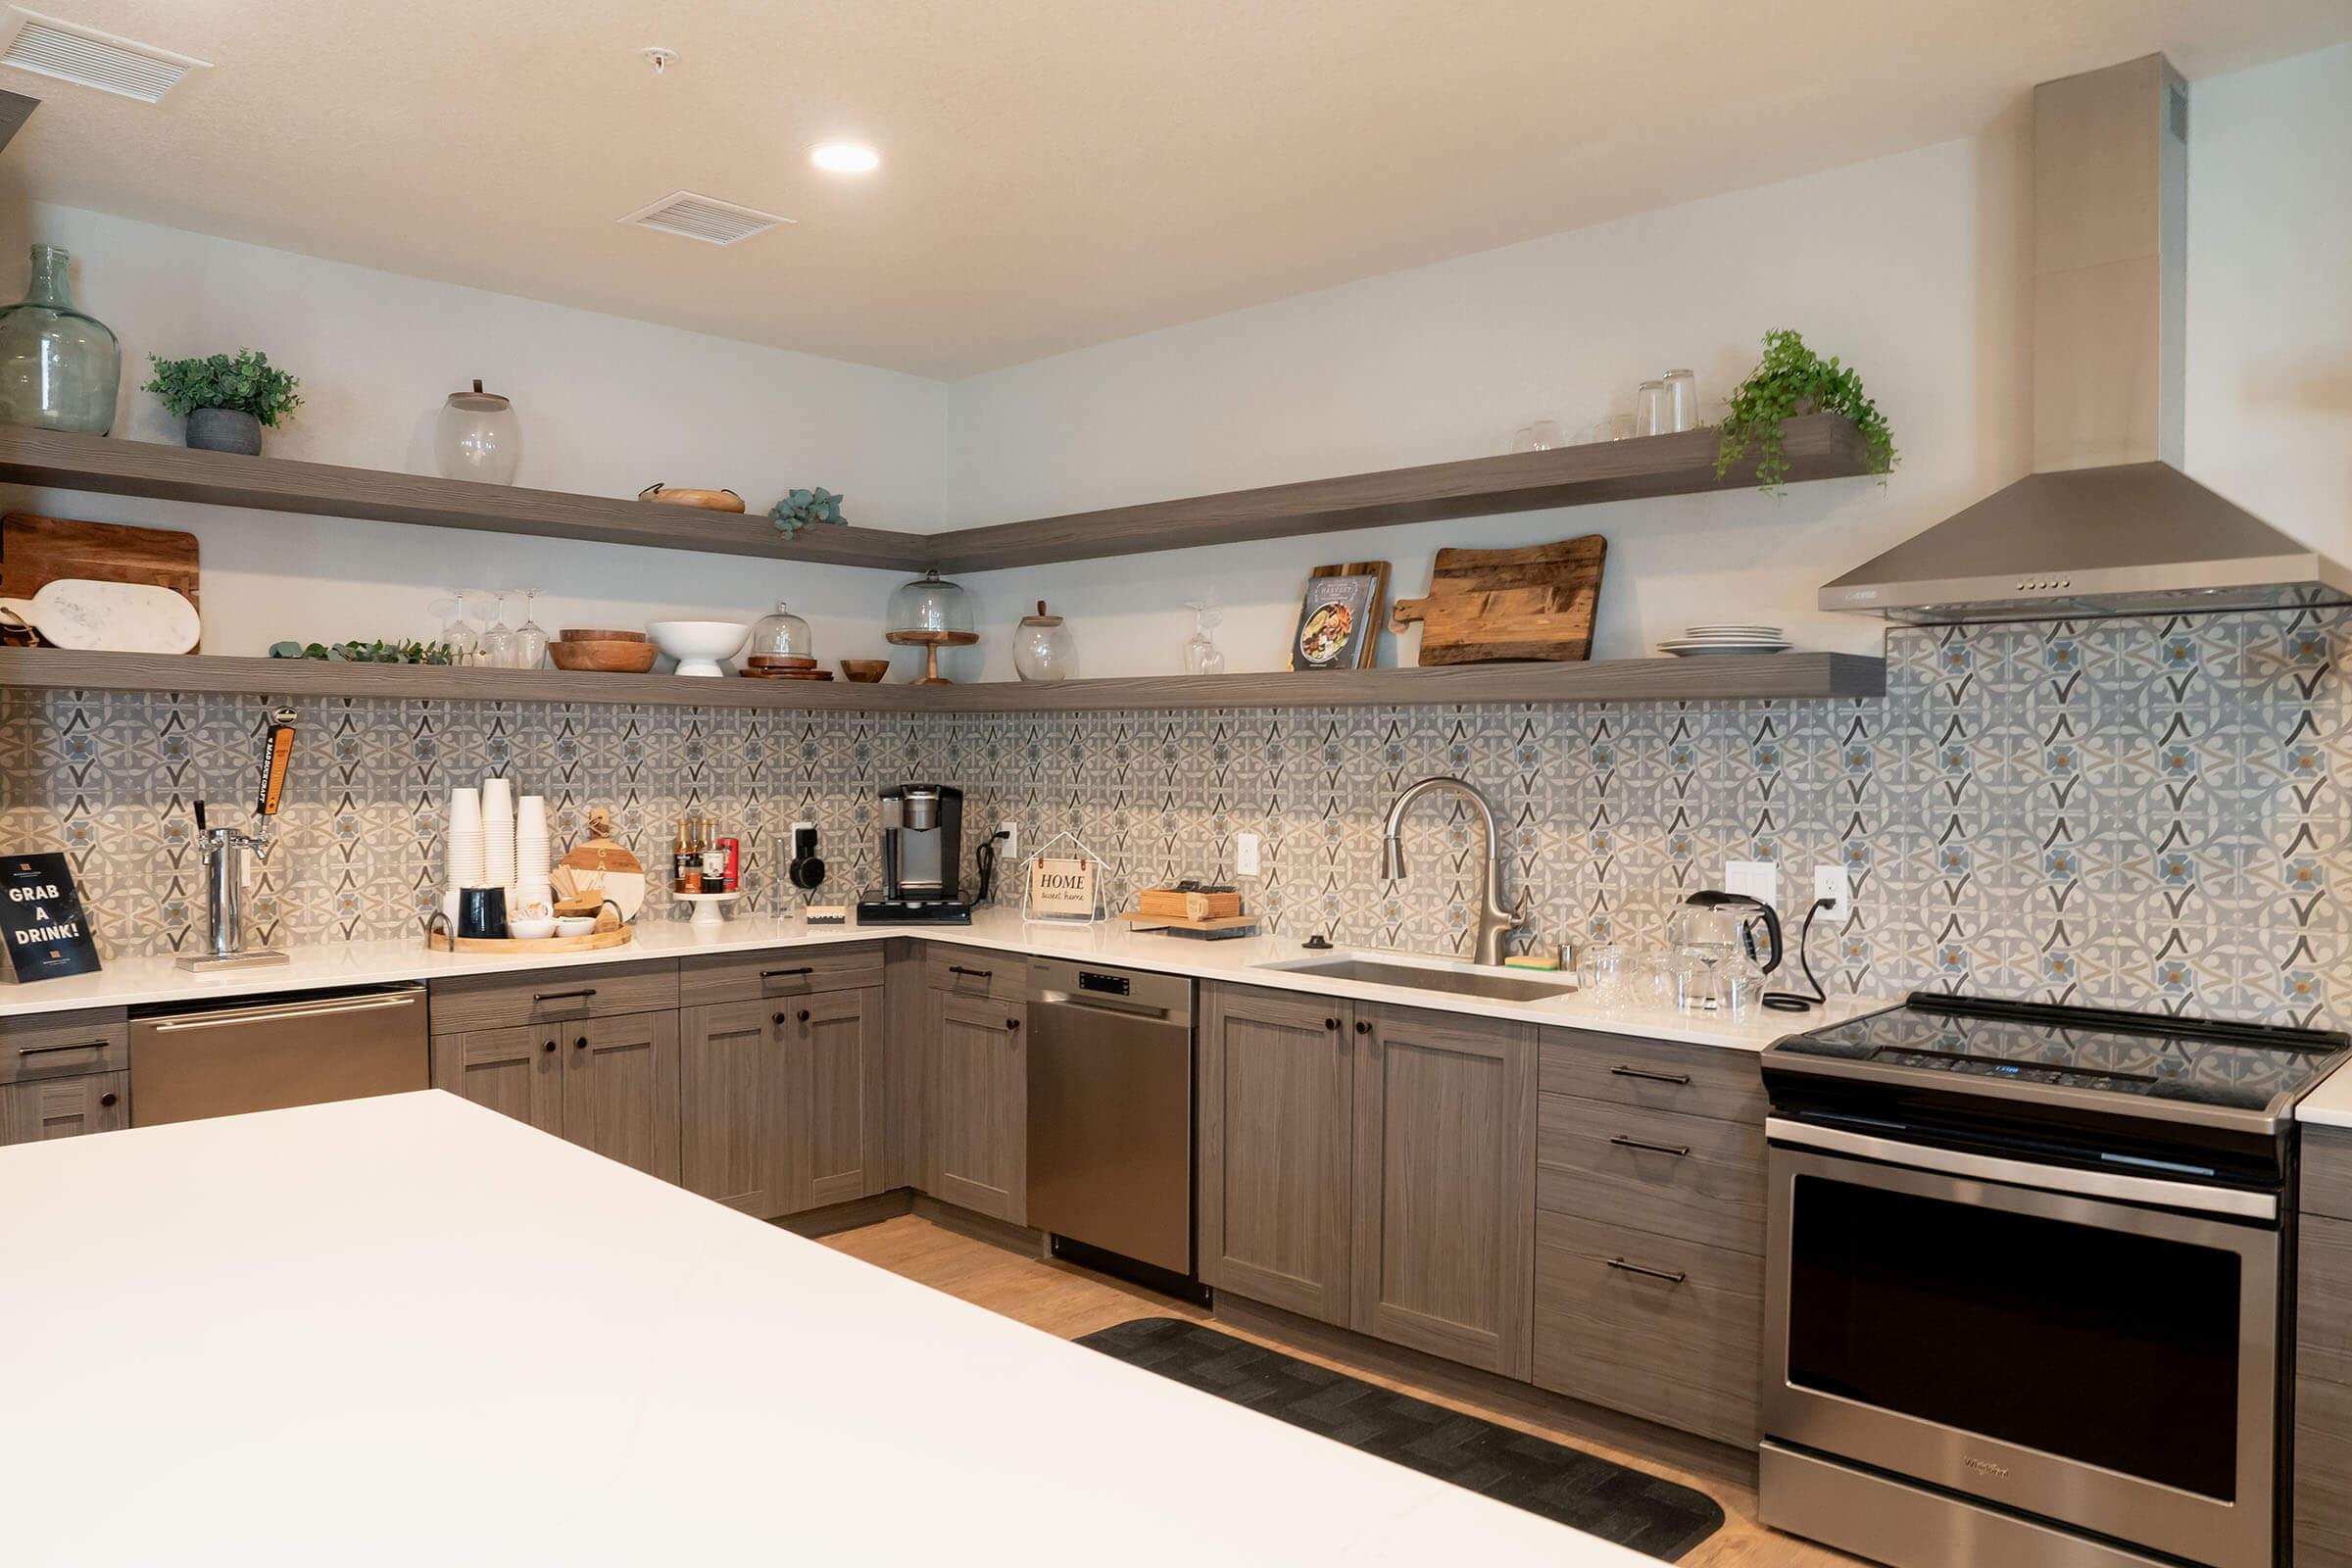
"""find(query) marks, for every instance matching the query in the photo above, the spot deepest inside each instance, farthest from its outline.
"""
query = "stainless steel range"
(2026, 1284)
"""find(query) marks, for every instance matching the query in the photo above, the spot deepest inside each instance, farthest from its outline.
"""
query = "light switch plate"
(1757, 879)
(1834, 883)
(1245, 854)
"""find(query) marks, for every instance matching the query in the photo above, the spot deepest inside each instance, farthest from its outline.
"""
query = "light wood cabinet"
(609, 1084)
(1277, 1148)
(977, 1104)
(1444, 1203)
(731, 1105)
(64, 1108)
(2323, 1438)
(833, 1129)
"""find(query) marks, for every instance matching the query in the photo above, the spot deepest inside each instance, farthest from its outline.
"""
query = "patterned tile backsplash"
(2134, 813)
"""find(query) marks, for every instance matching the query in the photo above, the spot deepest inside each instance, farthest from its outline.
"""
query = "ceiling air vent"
(71, 52)
(704, 217)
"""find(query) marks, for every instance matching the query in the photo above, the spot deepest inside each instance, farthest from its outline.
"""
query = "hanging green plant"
(1791, 379)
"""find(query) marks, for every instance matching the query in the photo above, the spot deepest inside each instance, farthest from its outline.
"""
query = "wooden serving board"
(36, 550)
(1487, 605)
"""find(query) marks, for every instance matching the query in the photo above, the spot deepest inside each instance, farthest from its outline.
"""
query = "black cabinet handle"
(1012, 1026)
(1669, 1276)
(976, 975)
(771, 974)
(1331, 1023)
(1679, 1079)
(804, 1016)
(1363, 1026)
(1678, 1151)
(550, 1045)
(81, 1044)
(779, 1017)
(562, 995)
(105, 1100)
(580, 1043)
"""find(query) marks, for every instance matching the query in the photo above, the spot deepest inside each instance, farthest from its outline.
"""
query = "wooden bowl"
(605, 657)
(582, 634)
(865, 671)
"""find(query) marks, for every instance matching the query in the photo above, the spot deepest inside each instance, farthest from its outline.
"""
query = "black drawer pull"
(1331, 1023)
(771, 974)
(804, 1016)
(1670, 1276)
(580, 1043)
(1678, 1079)
(81, 1044)
(105, 1100)
(562, 995)
(976, 974)
(1012, 1026)
(550, 1046)
(1678, 1151)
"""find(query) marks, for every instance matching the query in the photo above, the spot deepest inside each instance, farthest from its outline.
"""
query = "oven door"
(2081, 1356)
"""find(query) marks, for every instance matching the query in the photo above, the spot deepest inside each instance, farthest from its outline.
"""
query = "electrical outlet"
(1245, 854)
(1836, 884)
(1757, 879)
(1012, 851)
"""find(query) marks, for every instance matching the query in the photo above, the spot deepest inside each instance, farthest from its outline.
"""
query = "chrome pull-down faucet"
(1495, 922)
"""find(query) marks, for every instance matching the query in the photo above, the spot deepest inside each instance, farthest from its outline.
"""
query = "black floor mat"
(1582, 1490)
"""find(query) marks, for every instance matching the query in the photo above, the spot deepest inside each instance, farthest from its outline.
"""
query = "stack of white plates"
(1725, 639)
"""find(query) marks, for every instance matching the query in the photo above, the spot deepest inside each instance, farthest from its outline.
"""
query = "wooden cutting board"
(36, 550)
(1488, 605)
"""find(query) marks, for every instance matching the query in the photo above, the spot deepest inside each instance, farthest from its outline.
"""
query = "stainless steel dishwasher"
(195, 1059)
(1111, 1119)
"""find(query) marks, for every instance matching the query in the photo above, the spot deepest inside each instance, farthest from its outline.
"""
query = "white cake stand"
(710, 910)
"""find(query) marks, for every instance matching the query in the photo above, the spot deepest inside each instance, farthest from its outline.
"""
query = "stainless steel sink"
(1460, 982)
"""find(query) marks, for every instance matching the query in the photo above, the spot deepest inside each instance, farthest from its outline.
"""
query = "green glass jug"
(60, 369)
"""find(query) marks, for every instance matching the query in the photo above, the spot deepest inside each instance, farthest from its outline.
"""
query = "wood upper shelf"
(1819, 445)
(1626, 680)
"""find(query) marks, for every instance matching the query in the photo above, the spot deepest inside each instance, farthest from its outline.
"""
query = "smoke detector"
(71, 52)
(690, 216)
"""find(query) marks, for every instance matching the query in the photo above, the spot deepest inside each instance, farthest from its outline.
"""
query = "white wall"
(607, 405)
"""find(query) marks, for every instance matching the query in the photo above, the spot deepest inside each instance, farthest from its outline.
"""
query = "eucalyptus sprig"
(804, 509)
(379, 651)
(1791, 379)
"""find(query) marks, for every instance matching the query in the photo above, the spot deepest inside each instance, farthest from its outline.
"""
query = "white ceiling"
(1056, 173)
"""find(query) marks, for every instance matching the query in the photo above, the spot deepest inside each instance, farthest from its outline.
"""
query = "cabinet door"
(979, 1106)
(833, 1091)
(1446, 1185)
(1277, 1132)
(517, 1072)
(732, 1104)
(64, 1108)
(620, 1090)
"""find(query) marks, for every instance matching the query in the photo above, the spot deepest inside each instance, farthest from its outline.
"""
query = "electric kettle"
(1719, 963)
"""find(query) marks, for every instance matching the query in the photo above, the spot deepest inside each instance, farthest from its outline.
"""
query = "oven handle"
(2025, 1173)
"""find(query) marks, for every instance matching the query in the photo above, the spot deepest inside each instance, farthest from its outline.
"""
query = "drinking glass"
(498, 638)
(1649, 410)
(1540, 435)
(1681, 401)
(530, 638)
(456, 631)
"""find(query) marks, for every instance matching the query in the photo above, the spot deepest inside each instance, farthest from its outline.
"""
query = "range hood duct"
(2107, 524)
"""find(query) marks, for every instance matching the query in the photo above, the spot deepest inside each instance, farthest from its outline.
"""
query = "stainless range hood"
(2107, 524)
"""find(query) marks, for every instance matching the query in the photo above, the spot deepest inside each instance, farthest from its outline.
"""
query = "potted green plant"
(225, 399)
(1791, 379)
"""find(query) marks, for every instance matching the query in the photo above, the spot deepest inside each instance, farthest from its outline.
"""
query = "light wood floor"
(1070, 1302)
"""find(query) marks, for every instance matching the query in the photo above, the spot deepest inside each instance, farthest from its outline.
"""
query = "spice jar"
(1043, 649)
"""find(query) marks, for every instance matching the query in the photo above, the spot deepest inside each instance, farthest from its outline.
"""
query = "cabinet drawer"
(976, 972)
(59, 1045)
(2327, 1171)
(2323, 1303)
(40, 1108)
(1691, 1177)
(548, 996)
(778, 973)
(2322, 1490)
(1658, 1327)
(1654, 1074)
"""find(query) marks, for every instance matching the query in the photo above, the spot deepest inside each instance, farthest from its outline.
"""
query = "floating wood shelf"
(1819, 446)
(1622, 680)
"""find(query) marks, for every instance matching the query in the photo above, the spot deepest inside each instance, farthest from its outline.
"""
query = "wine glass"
(458, 631)
(1202, 655)
(530, 638)
(498, 638)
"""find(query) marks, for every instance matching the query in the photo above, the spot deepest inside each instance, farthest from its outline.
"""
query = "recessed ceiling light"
(846, 158)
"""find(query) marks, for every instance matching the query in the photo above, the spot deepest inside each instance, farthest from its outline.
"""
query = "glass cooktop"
(2239, 1066)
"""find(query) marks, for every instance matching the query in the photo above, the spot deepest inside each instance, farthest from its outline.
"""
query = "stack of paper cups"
(497, 833)
(464, 846)
(532, 850)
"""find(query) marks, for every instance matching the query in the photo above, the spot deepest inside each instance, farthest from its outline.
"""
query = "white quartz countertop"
(2331, 1104)
(137, 982)
(408, 1330)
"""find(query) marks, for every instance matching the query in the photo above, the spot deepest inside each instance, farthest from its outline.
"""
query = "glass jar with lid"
(478, 437)
(1043, 648)
(781, 635)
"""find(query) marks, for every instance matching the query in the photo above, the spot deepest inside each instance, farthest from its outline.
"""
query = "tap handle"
(274, 760)
(200, 816)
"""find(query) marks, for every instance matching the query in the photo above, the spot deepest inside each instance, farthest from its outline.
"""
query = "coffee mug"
(482, 913)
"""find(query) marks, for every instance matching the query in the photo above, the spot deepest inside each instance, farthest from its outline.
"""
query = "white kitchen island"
(408, 1330)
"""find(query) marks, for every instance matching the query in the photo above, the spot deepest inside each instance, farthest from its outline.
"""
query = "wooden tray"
(592, 942)
(1492, 605)
(1224, 922)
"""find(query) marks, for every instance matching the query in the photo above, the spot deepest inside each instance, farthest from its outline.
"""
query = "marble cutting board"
(128, 617)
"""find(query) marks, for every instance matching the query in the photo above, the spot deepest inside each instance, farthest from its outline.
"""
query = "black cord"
(1790, 1000)
(984, 869)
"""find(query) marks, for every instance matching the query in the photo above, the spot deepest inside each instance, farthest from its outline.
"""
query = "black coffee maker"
(922, 859)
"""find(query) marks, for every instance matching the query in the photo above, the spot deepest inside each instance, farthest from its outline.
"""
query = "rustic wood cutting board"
(36, 550)
(1487, 605)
